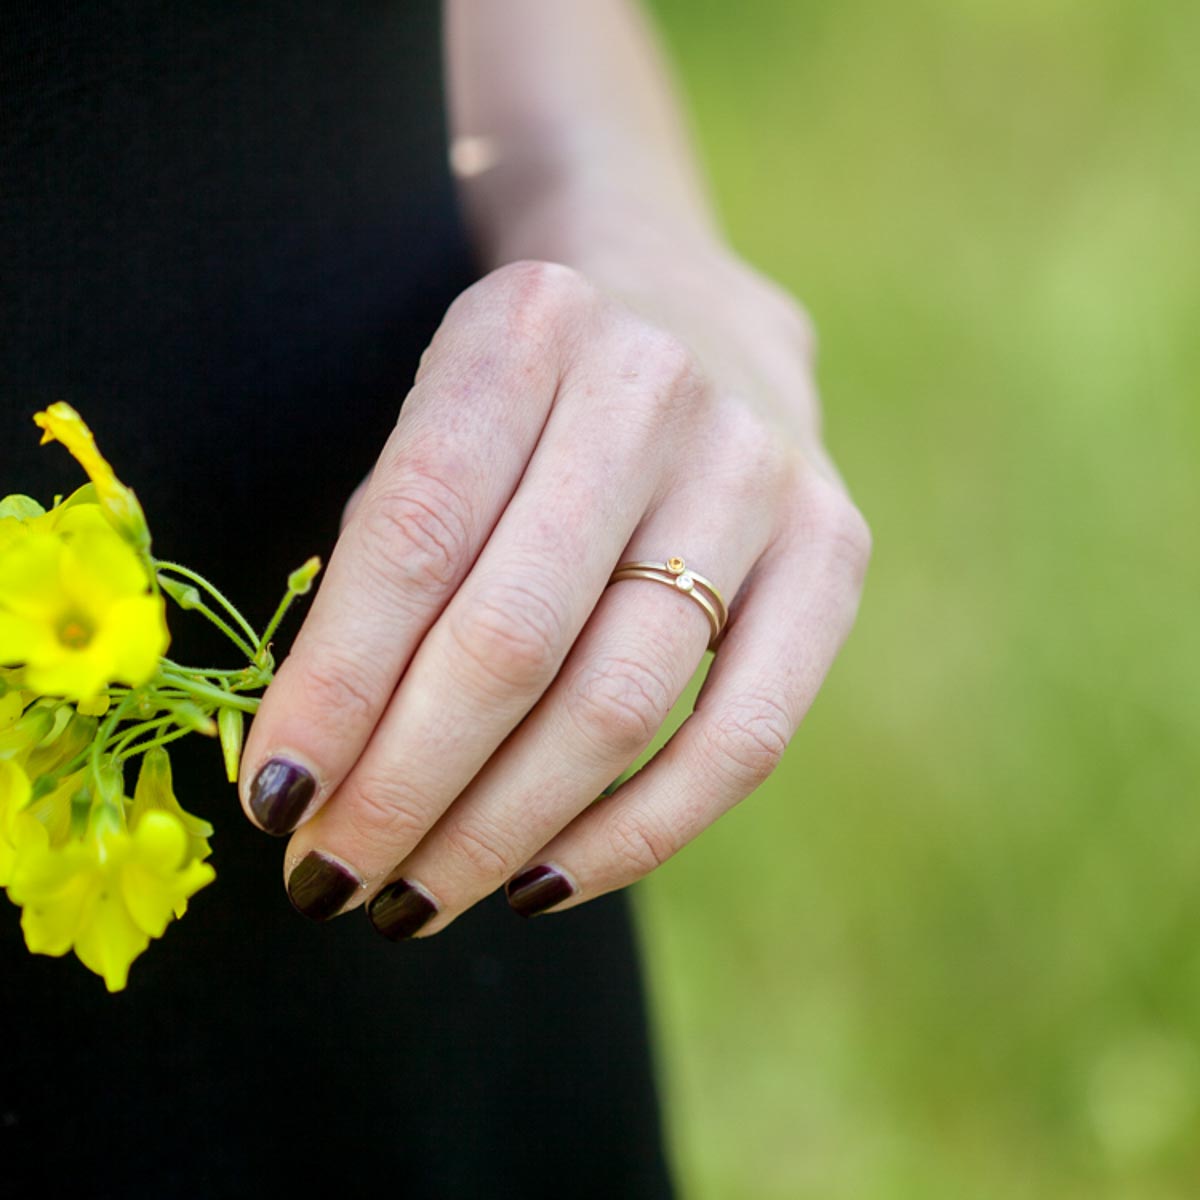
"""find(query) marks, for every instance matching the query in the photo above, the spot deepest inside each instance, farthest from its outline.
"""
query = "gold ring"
(675, 573)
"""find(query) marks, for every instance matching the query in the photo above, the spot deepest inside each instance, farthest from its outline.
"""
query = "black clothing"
(226, 233)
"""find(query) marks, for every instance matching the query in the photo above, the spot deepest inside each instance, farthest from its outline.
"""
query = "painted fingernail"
(279, 795)
(538, 889)
(400, 910)
(320, 886)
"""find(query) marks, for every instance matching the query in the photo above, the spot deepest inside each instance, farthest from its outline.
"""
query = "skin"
(618, 386)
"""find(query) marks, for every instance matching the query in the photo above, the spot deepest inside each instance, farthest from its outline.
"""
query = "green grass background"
(953, 948)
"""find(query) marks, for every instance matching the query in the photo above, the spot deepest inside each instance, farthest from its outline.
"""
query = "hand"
(466, 683)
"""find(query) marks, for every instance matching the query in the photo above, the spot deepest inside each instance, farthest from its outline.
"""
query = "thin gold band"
(677, 569)
(675, 573)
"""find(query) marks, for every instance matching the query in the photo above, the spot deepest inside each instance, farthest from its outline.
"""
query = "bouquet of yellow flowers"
(86, 688)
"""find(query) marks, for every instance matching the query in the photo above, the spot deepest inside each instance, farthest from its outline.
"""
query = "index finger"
(445, 475)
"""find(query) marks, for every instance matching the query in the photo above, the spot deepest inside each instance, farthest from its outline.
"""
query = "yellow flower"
(154, 793)
(108, 894)
(18, 515)
(19, 738)
(17, 828)
(32, 750)
(60, 422)
(21, 515)
(53, 810)
(75, 609)
(12, 700)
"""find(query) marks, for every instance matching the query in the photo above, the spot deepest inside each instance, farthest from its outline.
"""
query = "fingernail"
(400, 910)
(319, 886)
(538, 889)
(279, 795)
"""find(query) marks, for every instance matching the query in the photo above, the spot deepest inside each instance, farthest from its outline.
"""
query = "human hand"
(466, 683)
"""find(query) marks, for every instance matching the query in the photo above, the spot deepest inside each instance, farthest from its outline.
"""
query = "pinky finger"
(785, 634)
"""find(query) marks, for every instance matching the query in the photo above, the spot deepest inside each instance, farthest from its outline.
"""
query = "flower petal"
(58, 889)
(131, 639)
(110, 941)
(98, 567)
(30, 579)
(23, 639)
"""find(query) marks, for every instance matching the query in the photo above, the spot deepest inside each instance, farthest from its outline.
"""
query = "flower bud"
(300, 581)
(231, 724)
(61, 423)
(184, 594)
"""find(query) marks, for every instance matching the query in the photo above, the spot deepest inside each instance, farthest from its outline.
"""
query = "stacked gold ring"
(676, 573)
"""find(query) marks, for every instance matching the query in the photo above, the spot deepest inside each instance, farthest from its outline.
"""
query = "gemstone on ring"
(675, 573)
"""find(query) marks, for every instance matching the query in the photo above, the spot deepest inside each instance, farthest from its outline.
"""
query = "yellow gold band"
(675, 573)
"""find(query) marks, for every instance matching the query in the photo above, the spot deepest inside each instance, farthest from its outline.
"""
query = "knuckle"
(789, 321)
(485, 852)
(800, 330)
(378, 816)
(416, 533)
(522, 302)
(512, 636)
(538, 295)
(619, 703)
(757, 462)
(336, 681)
(839, 530)
(667, 375)
(668, 358)
(857, 538)
(747, 740)
(640, 843)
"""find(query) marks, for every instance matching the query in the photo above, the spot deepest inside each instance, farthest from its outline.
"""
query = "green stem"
(264, 642)
(80, 760)
(173, 736)
(224, 672)
(218, 696)
(135, 731)
(106, 730)
(223, 625)
(214, 592)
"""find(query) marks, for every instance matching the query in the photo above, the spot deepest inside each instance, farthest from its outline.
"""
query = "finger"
(450, 466)
(352, 504)
(630, 665)
(504, 635)
(782, 639)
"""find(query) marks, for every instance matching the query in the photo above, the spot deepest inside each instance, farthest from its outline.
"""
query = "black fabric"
(226, 233)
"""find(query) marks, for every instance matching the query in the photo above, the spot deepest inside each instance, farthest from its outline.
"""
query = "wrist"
(590, 211)
(664, 260)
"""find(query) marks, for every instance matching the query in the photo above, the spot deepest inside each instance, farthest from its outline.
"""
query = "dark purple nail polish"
(400, 910)
(279, 795)
(538, 889)
(319, 886)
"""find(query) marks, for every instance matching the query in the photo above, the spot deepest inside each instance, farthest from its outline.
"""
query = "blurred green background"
(952, 949)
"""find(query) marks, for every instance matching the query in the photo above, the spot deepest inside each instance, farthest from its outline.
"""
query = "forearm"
(568, 137)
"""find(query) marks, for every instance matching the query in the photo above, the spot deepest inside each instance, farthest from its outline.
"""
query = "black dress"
(226, 233)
